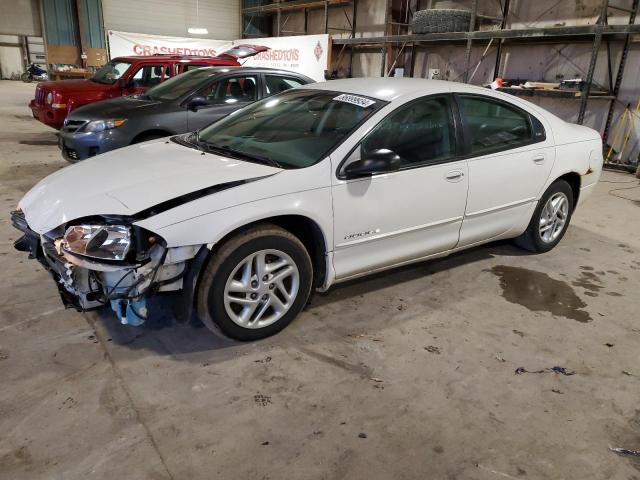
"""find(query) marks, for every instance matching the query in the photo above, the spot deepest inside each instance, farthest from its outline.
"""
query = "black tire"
(440, 20)
(26, 78)
(210, 295)
(531, 239)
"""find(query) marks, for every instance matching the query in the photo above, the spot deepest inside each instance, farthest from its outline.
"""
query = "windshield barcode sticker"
(355, 100)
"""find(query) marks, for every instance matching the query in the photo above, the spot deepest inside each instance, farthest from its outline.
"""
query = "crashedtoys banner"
(306, 54)
(122, 44)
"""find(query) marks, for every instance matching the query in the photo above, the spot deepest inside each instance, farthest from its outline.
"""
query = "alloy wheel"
(553, 217)
(261, 289)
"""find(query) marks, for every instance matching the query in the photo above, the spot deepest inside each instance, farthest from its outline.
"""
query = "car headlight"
(101, 125)
(49, 98)
(105, 242)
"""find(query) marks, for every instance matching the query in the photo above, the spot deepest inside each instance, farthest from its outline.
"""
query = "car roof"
(225, 68)
(232, 68)
(392, 88)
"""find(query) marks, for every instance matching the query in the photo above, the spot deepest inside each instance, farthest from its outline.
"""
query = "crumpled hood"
(129, 180)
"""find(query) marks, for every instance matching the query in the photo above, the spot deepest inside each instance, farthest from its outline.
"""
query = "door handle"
(538, 159)
(454, 175)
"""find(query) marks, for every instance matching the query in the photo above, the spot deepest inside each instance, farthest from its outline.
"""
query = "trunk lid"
(239, 52)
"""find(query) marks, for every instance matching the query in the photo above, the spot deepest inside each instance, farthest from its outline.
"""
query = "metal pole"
(472, 26)
(383, 51)
(503, 24)
(597, 40)
(326, 16)
(620, 73)
(353, 35)
(412, 66)
(306, 21)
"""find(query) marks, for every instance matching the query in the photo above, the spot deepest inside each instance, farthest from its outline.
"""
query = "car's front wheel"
(255, 284)
(550, 219)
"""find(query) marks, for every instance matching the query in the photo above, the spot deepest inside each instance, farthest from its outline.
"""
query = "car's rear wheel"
(550, 219)
(255, 284)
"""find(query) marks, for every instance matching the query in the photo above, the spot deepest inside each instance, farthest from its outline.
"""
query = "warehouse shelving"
(397, 41)
(280, 7)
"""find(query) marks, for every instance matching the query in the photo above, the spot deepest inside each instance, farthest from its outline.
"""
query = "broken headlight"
(105, 242)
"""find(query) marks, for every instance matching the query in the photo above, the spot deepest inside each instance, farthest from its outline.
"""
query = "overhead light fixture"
(198, 30)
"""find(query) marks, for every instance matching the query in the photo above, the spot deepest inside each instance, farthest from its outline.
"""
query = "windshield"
(111, 72)
(180, 85)
(294, 129)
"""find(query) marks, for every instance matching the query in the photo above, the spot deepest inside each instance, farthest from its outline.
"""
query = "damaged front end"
(106, 260)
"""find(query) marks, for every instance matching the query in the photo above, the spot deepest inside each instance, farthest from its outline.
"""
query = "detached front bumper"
(85, 284)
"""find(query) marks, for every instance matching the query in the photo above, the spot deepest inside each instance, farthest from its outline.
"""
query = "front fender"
(210, 228)
(204, 221)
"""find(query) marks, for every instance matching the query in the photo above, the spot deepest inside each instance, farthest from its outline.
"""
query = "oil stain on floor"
(537, 291)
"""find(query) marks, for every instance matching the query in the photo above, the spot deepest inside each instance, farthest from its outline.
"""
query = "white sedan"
(315, 186)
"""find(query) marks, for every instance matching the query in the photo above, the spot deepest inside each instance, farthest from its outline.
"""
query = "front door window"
(420, 133)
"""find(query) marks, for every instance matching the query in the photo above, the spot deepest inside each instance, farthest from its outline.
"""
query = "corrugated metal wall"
(173, 17)
(60, 22)
(94, 22)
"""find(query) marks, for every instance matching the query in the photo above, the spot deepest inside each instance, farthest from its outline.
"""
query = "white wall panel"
(173, 17)
(10, 63)
(20, 17)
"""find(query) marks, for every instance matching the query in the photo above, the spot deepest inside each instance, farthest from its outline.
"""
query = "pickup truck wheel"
(550, 219)
(255, 284)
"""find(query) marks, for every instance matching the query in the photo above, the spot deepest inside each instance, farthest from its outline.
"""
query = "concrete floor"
(406, 375)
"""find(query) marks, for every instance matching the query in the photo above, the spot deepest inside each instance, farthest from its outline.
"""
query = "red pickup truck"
(122, 76)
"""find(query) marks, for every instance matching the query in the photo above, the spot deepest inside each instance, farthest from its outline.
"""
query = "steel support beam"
(467, 55)
(597, 40)
(503, 25)
(618, 82)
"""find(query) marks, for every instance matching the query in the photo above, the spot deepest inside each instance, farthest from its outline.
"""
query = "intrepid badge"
(356, 236)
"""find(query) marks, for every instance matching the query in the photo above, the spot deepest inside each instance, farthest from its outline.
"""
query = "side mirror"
(382, 160)
(124, 84)
(197, 102)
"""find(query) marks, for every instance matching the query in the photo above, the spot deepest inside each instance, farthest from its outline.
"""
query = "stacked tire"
(441, 20)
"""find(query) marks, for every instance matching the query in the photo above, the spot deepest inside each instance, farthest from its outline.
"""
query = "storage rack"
(282, 8)
(397, 40)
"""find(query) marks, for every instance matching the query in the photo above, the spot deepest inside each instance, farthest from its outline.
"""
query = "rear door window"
(492, 125)
(278, 83)
(232, 90)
